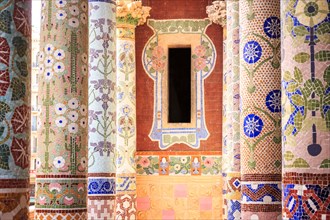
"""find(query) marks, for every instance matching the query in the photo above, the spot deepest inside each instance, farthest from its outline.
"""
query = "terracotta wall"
(176, 9)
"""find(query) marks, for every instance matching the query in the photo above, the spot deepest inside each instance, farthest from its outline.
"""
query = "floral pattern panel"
(231, 114)
(260, 115)
(154, 59)
(102, 109)
(62, 129)
(129, 15)
(306, 109)
(15, 70)
(176, 164)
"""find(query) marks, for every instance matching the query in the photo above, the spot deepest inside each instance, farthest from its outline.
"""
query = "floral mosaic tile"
(180, 165)
(147, 165)
(155, 163)
(211, 165)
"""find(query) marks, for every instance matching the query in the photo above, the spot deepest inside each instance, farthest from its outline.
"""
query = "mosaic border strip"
(178, 163)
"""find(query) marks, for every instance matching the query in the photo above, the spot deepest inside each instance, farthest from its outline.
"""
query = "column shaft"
(102, 109)
(61, 183)
(260, 114)
(126, 122)
(231, 131)
(15, 75)
(306, 109)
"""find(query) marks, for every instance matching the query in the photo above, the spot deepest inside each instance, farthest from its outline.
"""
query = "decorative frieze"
(178, 164)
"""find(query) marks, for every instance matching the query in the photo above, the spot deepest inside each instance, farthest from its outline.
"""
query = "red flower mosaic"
(158, 65)
(4, 51)
(158, 52)
(21, 19)
(4, 82)
(200, 50)
(20, 119)
(144, 162)
(19, 150)
(200, 63)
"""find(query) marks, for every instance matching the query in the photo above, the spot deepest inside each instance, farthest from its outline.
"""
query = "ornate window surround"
(178, 33)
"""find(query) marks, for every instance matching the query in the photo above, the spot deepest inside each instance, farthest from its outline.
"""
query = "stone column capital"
(217, 12)
(131, 13)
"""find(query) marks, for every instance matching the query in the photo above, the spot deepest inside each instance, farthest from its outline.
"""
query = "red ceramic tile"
(205, 203)
(180, 190)
(143, 203)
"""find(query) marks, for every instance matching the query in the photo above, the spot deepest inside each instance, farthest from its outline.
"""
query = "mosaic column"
(61, 180)
(102, 109)
(15, 70)
(260, 115)
(129, 15)
(306, 109)
(231, 132)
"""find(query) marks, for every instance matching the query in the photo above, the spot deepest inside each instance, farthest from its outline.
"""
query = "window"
(179, 73)
(34, 123)
(37, 78)
(35, 164)
(34, 144)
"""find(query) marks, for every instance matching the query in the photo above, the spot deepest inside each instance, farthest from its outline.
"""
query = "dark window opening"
(179, 79)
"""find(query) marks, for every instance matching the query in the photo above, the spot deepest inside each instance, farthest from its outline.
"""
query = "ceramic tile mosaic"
(61, 183)
(179, 197)
(15, 70)
(178, 163)
(260, 116)
(126, 118)
(102, 109)
(231, 116)
(126, 105)
(154, 59)
(306, 109)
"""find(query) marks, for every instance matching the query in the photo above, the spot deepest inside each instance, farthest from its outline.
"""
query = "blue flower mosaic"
(252, 125)
(272, 27)
(252, 52)
(273, 101)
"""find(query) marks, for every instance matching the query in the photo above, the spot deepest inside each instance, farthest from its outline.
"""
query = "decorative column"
(231, 133)
(129, 15)
(226, 14)
(306, 109)
(102, 109)
(61, 183)
(260, 115)
(15, 70)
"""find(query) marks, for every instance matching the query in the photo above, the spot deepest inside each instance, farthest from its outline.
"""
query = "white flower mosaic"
(60, 108)
(71, 116)
(61, 121)
(73, 103)
(59, 162)
(50, 62)
(61, 15)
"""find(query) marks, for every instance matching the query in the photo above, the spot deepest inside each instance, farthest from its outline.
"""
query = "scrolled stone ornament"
(217, 12)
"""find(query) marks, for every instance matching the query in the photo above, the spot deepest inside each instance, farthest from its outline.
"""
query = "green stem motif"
(47, 130)
(73, 62)
(126, 135)
(250, 14)
(126, 70)
(49, 18)
(73, 148)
